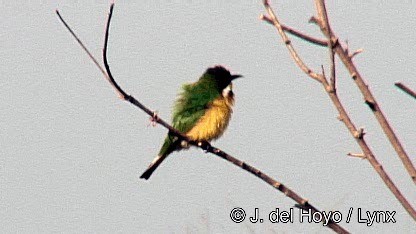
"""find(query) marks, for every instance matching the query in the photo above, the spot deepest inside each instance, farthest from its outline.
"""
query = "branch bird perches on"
(206, 146)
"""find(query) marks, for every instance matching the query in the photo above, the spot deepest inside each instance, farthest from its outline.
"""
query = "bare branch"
(332, 61)
(368, 96)
(123, 95)
(343, 115)
(289, 45)
(304, 203)
(346, 59)
(323, 19)
(82, 45)
(405, 89)
(296, 33)
(359, 137)
(119, 91)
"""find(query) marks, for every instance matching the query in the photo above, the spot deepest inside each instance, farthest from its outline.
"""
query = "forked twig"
(203, 145)
(289, 45)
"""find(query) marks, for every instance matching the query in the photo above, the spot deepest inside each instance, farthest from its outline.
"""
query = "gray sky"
(71, 152)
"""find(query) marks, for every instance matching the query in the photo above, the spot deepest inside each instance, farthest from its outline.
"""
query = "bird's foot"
(153, 119)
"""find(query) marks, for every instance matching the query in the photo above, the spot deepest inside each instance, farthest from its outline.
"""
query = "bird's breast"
(215, 120)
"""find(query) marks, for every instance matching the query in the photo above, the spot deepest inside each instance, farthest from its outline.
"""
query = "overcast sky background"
(71, 152)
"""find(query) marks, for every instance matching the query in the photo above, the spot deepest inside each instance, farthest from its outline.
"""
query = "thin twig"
(332, 61)
(289, 46)
(357, 52)
(332, 79)
(304, 203)
(331, 42)
(369, 98)
(296, 33)
(405, 89)
(82, 45)
(123, 95)
(120, 92)
(360, 155)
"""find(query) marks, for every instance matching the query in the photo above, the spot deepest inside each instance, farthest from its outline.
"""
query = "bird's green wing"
(192, 104)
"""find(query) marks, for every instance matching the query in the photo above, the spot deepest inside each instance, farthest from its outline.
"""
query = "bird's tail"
(168, 147)
(152, 167)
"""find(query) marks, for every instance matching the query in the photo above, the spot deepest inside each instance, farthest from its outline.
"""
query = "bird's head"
(222, 77)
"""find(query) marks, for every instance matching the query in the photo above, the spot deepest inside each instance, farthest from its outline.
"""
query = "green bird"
(201, 112)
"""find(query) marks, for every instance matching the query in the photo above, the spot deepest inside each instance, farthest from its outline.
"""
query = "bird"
(201, 112)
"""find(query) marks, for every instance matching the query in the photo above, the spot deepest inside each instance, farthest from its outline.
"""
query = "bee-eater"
(201, 112)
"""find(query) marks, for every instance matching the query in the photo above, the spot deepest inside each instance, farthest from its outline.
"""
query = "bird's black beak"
(233, 77)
